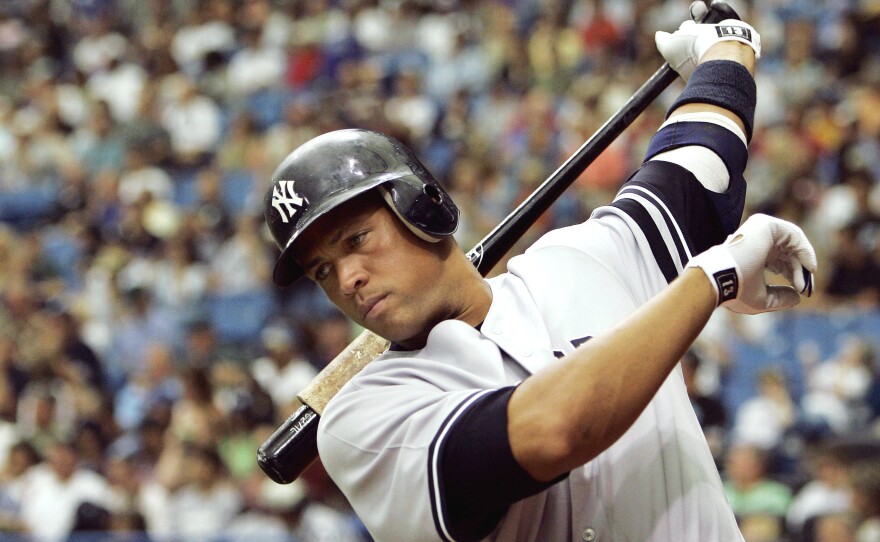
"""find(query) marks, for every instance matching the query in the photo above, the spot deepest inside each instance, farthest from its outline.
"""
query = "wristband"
(718, 264)
(726, 84)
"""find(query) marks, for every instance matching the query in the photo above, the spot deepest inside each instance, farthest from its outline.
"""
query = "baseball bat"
(294, 446)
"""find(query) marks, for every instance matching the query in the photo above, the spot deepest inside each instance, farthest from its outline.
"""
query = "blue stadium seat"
(186, 193)
(267, 106)
(868, 326)
(238, 191)
(239, 318)
(793, 330)
(28, 207)
(64, 253)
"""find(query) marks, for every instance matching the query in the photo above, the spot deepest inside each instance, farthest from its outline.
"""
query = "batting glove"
(763, 243)
(684, 48)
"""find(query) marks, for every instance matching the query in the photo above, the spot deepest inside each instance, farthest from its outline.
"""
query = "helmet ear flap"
(389, 200)
(422, 204)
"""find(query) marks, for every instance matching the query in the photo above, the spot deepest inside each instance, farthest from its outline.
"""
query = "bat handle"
(294, 445)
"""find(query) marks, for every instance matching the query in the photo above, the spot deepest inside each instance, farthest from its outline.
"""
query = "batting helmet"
(337, 166)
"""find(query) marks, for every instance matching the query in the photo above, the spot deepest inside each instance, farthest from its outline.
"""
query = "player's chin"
(394, 332)
(401, 322)
(405, 332)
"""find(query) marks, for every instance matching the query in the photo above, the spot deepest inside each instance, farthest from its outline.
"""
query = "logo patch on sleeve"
(728, 284)
(734, 31)
(286, 201)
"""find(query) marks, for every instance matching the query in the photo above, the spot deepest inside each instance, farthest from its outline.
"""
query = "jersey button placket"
(589, 535)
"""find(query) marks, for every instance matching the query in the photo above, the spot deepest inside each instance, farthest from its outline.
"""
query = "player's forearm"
(564, 416)
(732, 50)
(725, 50)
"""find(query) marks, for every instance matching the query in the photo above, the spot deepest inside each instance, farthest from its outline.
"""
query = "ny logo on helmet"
(285, 200)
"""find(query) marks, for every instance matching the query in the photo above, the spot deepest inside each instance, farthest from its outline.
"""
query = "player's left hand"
(684, 48)
(736, 268)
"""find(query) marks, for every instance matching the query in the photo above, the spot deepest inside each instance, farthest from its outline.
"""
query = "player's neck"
(469, 299)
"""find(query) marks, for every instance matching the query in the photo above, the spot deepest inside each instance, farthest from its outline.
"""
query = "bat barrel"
(494, 246)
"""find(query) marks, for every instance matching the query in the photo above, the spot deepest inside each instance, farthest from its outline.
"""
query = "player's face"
(377, 272)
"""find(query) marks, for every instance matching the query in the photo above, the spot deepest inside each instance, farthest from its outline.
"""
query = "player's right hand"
(736, 268)
(684, 48)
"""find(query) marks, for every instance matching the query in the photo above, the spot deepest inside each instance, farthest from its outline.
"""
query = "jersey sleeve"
(472, 468)
(421, 449)
(374, 444)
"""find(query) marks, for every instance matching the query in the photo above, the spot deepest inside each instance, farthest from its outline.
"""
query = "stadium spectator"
(194, 417)
(194, 124)
(13, 478)
(837, 387)
(140, 176)
(142, 324)
(240, 264)
(825, 494)
(256, 65)
(710, 410)
(758, 502)
(97, 144)
(136, 494)
(283, 370)
(205, 504)
(54, 490)
(154, 384)
(834, 528)
(865, 484)
(763, 419)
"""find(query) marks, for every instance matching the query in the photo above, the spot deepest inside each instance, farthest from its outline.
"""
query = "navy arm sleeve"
(473, 475)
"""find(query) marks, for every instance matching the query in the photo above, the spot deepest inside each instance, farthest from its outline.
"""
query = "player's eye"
(357, 238)
(322, 271)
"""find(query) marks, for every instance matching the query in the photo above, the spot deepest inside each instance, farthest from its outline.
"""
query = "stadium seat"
(238, 319)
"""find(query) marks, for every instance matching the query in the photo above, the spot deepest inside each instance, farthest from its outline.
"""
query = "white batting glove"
(736, 267)
(684, 48)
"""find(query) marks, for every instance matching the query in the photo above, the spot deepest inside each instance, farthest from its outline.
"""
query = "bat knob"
(291, 448)
(719, 11)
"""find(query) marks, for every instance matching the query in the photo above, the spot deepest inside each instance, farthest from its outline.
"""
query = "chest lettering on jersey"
(575, 343)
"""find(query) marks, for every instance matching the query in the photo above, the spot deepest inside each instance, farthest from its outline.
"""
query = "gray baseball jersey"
(418, 440)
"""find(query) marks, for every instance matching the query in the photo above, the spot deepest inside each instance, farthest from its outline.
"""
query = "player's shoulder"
(456, 359)
(456, 355)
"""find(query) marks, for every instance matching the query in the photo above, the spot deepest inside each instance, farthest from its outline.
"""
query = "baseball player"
(544, 404)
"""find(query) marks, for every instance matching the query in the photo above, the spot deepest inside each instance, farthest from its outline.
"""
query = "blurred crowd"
(144, 353)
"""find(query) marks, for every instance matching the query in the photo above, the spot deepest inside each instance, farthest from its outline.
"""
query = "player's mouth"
(372, 306)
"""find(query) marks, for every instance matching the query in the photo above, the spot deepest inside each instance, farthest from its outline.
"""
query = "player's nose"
(352, 275)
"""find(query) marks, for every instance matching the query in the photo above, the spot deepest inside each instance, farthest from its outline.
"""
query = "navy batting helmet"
(337, 166)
